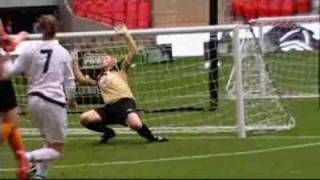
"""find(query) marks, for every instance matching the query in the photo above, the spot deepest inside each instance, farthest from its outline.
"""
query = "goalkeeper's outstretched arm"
(79, 76)
(132, 46)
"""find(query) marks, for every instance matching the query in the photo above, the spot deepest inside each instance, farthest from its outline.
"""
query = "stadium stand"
(250, 9)
(135, 13)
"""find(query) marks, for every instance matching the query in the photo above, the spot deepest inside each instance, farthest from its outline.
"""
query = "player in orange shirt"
(9, 132)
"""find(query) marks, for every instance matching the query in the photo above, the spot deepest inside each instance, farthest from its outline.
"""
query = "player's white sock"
(42, 170)
(43, 154)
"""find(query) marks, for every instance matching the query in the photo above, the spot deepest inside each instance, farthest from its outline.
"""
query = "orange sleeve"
(2, 31)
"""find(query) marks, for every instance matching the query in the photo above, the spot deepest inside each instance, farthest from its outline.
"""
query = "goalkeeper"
(120, 106)
(9, 131)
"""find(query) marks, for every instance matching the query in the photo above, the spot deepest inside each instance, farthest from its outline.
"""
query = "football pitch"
(287, 154)
(290, 154)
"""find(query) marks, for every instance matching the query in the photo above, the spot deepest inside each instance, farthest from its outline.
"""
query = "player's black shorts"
(7, 96)
(116, 113)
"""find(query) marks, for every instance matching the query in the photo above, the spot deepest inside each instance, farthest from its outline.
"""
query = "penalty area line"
(194, 157)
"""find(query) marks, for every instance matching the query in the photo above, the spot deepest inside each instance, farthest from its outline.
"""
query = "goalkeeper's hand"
(121, 29)
(86, 80)
(90, 81)
(72, 104)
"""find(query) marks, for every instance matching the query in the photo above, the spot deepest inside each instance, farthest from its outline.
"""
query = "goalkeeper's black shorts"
(7, 96)
(117, 112)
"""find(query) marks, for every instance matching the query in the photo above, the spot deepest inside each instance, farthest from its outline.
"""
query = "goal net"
(191, 80)
(280, 64)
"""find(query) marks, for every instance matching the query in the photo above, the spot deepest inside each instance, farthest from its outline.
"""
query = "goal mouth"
(244, 89)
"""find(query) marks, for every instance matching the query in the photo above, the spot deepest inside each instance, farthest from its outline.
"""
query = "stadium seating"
(249, 9)
(135, 13)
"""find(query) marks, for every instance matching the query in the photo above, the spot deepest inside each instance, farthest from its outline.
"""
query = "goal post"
(280, 66)
(239, 84)
(298, 37)
(295, 38)
(173, 95)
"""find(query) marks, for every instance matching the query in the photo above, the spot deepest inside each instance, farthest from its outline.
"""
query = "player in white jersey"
(48, 67)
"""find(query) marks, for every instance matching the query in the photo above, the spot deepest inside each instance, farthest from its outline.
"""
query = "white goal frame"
(260, 38)
(240, 126)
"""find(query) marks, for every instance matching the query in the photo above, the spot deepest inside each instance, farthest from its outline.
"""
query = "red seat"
(263, 8)
(119, 10)
(303, 6)
(107, 14)
(132, 14)
(237, 8)
(144, 14)
(250, 9)
(275, 7)
(288, 8)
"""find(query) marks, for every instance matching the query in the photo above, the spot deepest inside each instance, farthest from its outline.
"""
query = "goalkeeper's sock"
(96, 126)
(43, 154)
(107, 135)
(145, 132)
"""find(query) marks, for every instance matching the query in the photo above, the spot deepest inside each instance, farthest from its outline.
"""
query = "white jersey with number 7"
(48, 67)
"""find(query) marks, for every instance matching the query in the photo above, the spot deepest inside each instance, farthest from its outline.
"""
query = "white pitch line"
(183, 137)
(205, 156)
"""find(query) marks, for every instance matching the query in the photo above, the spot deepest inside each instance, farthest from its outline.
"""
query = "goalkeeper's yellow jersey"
(114, 86)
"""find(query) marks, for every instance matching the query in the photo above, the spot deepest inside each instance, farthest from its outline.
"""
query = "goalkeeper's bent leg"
(134, 122)
(108, 133)
(95, 126)
(145, 132)
(92, 120)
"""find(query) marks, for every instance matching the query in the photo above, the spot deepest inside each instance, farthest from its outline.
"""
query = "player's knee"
(134, 122)
(85, 118)
(88, 117)
(135, 126)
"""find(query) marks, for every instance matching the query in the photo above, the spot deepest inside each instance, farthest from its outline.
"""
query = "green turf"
(201, 156)
(287, 154)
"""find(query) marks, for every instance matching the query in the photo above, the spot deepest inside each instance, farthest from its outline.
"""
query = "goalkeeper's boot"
(158, 138)
(23, 165)
(107, 135)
